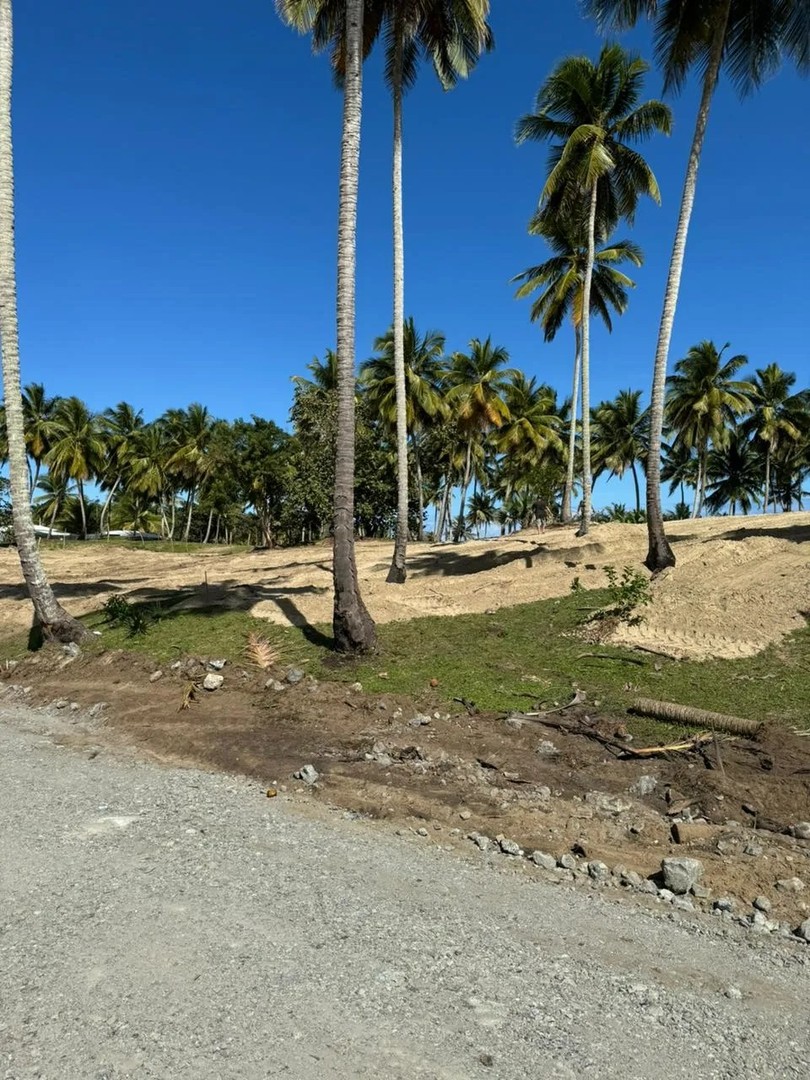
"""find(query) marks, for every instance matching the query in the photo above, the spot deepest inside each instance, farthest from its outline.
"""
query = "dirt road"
(177, 924)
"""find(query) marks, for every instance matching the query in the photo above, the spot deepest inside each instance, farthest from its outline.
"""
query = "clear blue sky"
(177, 190)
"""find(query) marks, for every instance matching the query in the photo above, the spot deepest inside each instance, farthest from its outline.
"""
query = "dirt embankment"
(740, 583)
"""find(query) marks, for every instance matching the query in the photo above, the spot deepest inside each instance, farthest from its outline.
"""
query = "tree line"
(593, 117)
(488, 446)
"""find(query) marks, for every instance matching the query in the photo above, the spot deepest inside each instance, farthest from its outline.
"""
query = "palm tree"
(38, 413)
(77, 448)
(561, 280)
(453, 34)
(120, 427)
(481, 511)
(750, 40)
(734, 472)
(53, 620)
(531, 428)
(192, 431)
(148, 468)
(353, 626)
(777, 415)
(679, 467)
(477, 381)
(592, 114)
(53, 501)
(704, 402)
(424, 371)
(324, 375)
(621, 436)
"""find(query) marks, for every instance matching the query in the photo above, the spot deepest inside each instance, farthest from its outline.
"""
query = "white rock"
(801, 830)
(681, 874)
(645, 785)
(792, 884)
(212, 681)
(155, 676)
(804, 930)
(308, 773)
(217, 665)
(540, 858)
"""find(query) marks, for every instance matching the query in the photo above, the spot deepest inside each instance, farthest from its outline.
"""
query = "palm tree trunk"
(444, 503)
(703, 481)
(53, 620)
(56, 509)
(420, 492)
(173, 520)
(82, 508)
(352, 625)
(660, 555)
(767, 479)
(635, 483)
(462, 502)
(586, 369)
(696, 499)
(568, 490)
(105, 508)
(190, 511)
(210, 523)
(216, 534)
(398, 570)
(35, 480)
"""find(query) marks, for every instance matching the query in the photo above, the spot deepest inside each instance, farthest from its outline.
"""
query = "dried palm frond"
(189, 695)
(260, 652)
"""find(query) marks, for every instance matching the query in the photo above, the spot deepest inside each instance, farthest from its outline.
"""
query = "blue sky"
(177, 192)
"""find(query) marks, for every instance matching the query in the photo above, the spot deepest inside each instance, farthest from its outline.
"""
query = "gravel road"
(169, 923)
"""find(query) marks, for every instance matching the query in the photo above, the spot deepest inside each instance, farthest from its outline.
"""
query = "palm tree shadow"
(296, 618)
(797, 534)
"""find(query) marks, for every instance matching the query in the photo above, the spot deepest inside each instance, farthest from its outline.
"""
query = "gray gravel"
(175, 924)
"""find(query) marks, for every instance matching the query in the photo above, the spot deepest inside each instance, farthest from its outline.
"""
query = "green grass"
(500, 662)
(172, 547)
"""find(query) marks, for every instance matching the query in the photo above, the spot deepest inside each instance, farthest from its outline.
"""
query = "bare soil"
(739, 585)
(458, 773)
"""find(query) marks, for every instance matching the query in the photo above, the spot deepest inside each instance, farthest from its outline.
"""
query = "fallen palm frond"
(685, 714)
(259, 652)
(670, 748)
(189, 695)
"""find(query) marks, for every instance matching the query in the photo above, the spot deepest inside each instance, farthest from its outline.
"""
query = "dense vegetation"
(485, 439)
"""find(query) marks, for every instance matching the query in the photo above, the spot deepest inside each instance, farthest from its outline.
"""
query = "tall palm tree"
(532, 426)
(477, 381)
(749, 39)
(621, 436)
(148, 467)
(679, 467)
(192, 431)
(777, 415)
(561, 280)
(38, 413)
(54, 621)
(77, 448)
(453, 34)
(53, 501)
(424, 372)
(119, 428)
(704, 402)
(353, 627)
(591, 112)
(734, 473)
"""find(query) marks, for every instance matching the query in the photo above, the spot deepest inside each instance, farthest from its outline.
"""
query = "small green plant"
(576, 585)
(135, 618)
(628, 592)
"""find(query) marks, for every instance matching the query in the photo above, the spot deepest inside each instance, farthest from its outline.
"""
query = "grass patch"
(160, 547)
(501, 662)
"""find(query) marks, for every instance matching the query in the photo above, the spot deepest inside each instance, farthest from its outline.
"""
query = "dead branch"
(685, 714)
(670, 748)
(609, 656)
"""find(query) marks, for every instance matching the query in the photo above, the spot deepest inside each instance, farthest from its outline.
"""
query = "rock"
(487, 1060)
(294, 675)
(356, 688)
(71, 649)
(701, 892)
(547, 749)
(155, 676)
(666, 894)
(176, 665)
(682, 903)
(631, 879)
(274, 684)
(681, 874)
(308, 773)
(420, 720)
(61, 704)
(217, 665)
(514, 722)
(723, 903)
(212, 681)
(752, 849)
(792, 884)
(758, 921)
(645, 785)
(74, 706)
(422, 831)
(801, 830)
(465, 815)
(568, 862)
(762, 903)
(480, 841)
(608, 804)
(734, 993)
(648, 887)
(547, 862)
(509, 847)
(599, 871)
(804, 930)
(543, 792)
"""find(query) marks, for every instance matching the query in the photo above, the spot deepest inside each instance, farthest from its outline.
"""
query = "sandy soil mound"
(740, 583)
